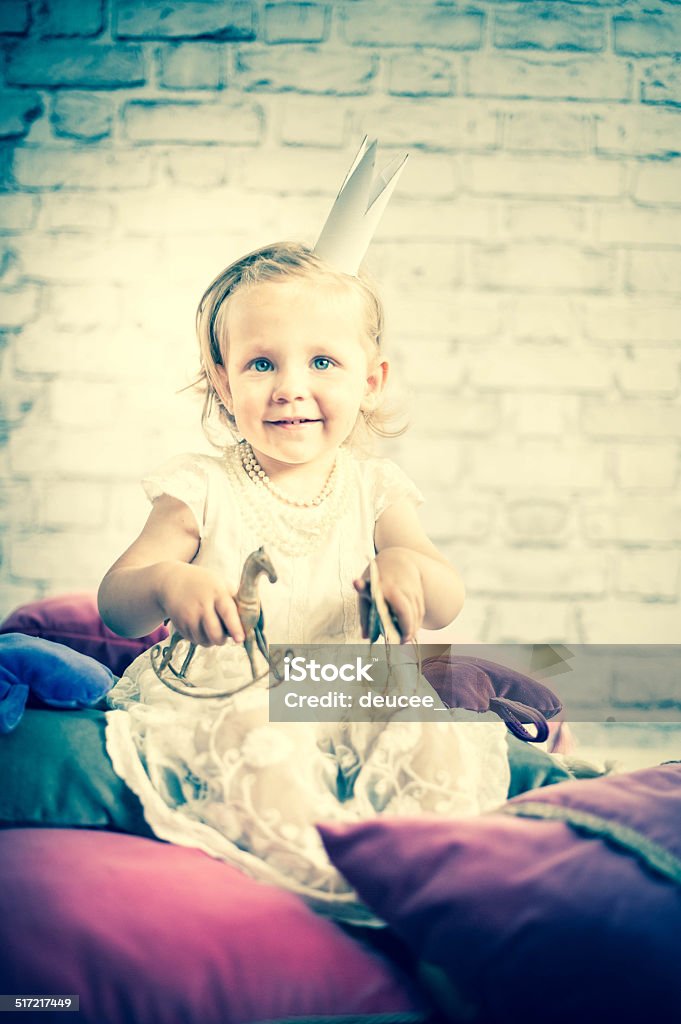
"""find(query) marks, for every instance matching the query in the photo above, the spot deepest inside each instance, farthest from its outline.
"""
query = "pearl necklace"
(259, 476)
(294, 528)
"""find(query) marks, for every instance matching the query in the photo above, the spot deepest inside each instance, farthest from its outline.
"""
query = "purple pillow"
(536, 920)
(478, 685)
(73, 620)
(159, 934)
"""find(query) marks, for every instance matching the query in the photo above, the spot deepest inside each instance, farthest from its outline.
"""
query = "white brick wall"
(531, 264)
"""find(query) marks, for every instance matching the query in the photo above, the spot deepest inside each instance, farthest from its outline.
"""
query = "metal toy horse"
(250, 612)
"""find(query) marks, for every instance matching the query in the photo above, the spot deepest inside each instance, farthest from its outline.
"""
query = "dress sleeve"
(391, 484)
(184, 477)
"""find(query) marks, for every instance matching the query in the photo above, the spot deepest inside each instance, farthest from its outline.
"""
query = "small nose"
(290, 384)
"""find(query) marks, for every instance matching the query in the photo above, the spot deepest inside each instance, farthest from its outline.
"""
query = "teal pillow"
(532, 768)
(55, 771)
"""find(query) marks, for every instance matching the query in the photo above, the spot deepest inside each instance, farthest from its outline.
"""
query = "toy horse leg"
(265, 651)
(248, 644)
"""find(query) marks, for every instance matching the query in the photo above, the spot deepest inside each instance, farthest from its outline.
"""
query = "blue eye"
(261, 364)
(321, 359)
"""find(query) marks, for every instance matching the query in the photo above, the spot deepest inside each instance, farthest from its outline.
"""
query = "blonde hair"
(271, 263)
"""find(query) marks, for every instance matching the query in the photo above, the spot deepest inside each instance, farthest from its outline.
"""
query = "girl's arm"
(418, 582)
(153, 580)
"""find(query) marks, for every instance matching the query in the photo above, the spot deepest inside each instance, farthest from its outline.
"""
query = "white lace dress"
(216, 774)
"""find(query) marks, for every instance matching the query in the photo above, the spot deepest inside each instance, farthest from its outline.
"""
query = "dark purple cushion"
(537, 920)
(479, 685)
(153, 933)
(73, 620)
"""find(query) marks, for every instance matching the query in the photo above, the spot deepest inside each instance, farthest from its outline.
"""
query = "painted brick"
(146, 121)
(661, 82)
(128, 352)
(540, 368)
(540, 415)
(369, 24)
(84, 307)
(536, 266)
(549, 27)
(14, 17)
(449, 415)
(305, 69)
(539, 465)
(550, 131)
(541, 176)
(70, 555)
(658, 182)
(431, 176)
(17, 212)
(537, 522)
(638, 225)
(644, 322)
(433, 265)
(654, 270)
(176, 19)
(191, 66)
(18, 306)
(183, 211)
(63, 211)
(656, 372)
(437, 461)
(651, 575)
(71, 258)
(296, 23)
(98, 454)
(18, 110)
(522, 621)
(445, 518)
(544, 220)
(633, 419)
(416, 219)
(640, 131)
(646, 466)
(90, 65)
(46, 167)
(457, 316)
(200, 167)
(312, 121)
(13, 595)
(17, 504)
(303, 171)
(71, 18)
(416, 361)
(629, 623)
(420, 74)
(81, 115)
(636, 521)
(72, 503)
(74, 404)
(524, 78)
(537, 317)
(433, 123)
(531, 573)
(647, 34)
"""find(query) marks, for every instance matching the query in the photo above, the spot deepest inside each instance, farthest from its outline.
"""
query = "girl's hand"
(201, 608)
(402, 587)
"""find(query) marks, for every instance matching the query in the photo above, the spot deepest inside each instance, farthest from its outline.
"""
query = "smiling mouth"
(297, 421)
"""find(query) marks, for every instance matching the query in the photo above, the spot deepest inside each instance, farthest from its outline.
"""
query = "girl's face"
(297, 371)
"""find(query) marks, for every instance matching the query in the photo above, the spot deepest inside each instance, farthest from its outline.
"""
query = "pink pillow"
(73, 620)
(159, 934)
(538, 920)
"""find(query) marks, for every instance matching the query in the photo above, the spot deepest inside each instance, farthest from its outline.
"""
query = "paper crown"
(357, 210)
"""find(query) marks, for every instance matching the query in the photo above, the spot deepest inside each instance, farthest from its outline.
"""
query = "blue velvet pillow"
(46, 673)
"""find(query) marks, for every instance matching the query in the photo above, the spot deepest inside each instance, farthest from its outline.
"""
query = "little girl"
(291, 359)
